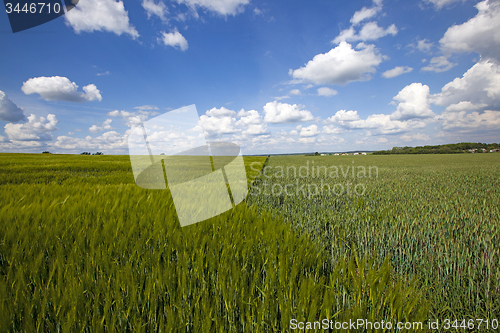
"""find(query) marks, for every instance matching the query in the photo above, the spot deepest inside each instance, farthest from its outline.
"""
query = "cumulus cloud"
(174, 39)
(276, 112)
(366, 13)
(132, 118)
(396, 71)
(155, 9)
(375, 124)
(370, 31)
(342, 117)
(57, 88)
(475, 121)
(422, 45)
(100, 15)
(413, 103)
(8, 110)
(480, 34)
(330, 129)
(252, 123)
(106, 125)
(309, 131)
(216, 122)
(465, 106)
(340, 65)
(107, 141)
(294, 92)
(219, 113)
(439, 64)
(36, 129)
(215, 126)
(325, 91)
(221, 7)
(479, 85)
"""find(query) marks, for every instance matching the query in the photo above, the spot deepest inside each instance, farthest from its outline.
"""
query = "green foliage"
(452, 148)
(88, 256)
(436, 216)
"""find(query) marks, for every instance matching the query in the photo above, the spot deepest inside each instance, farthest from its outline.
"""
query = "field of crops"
(436, 216)
(83, 249)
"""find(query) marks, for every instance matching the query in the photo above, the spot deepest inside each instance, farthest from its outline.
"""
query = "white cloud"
(340, 65)
(480, 34)
(8, 110)
(107, 141)
(413, 103)
(100, 15)
(252, 123)
(57, 88)
(279, 98)
(276, 112)
(117, 113)
(307, 139)
(309, 131)
(216, 122)
(424, 46)
(325, 91)
(439, 64)
(470, 122)
(343, 116)
(479, 85)
(174, 39)
(221, 7)
(157, 9)
(396, 71)
(346, 34)
(375, 124)
(106, 125)
(417, 136)
(36, 129)
(295, 92)
(132, 118)
(215, 126)
(366, 13)
(370, 31)
(441, 3)
(465, 106)
(330, 129)
(222, 112)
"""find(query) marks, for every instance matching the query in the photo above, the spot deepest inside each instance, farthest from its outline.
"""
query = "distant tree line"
(88, 153)
(451, 148)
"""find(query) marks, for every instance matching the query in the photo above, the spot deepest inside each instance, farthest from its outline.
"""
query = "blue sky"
(275, 77)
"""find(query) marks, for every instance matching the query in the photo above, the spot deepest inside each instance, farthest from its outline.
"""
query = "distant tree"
(316, 154)
(451, 148)
(46, 152)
